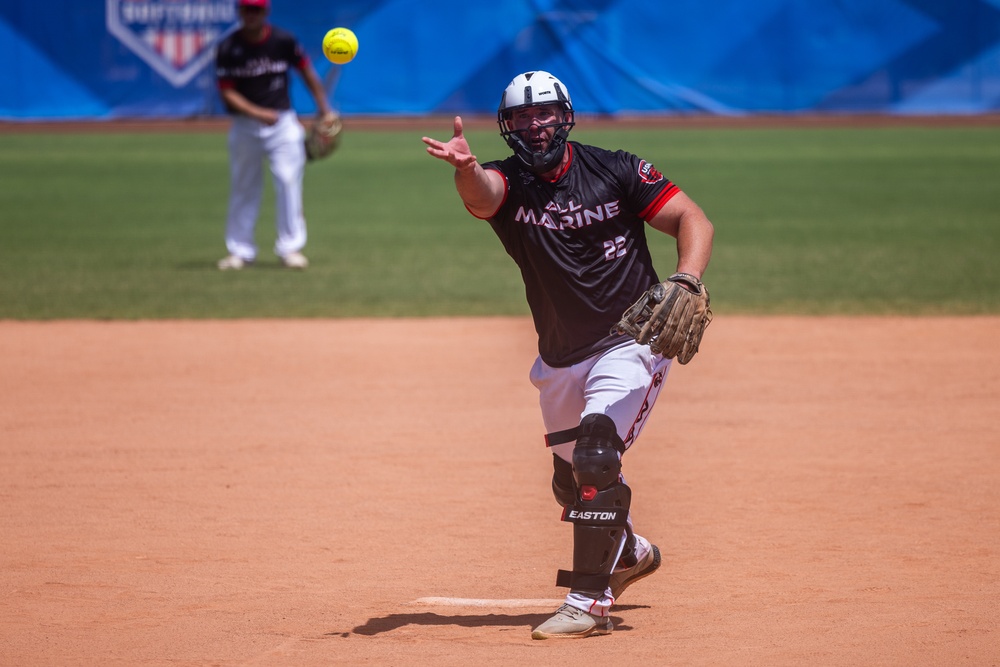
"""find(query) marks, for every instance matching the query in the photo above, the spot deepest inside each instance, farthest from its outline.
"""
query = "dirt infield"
(825, 492)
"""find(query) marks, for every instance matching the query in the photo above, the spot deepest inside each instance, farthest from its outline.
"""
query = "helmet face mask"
(535, 89)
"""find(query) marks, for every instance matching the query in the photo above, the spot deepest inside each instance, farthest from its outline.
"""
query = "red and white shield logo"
(174, 37)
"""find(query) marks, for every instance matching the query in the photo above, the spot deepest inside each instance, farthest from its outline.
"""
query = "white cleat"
(295, 260)
(572, 623)
(622, 579)
(232, 263)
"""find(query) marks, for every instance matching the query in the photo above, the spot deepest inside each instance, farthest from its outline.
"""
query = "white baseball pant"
(623, 383)
(282, 145)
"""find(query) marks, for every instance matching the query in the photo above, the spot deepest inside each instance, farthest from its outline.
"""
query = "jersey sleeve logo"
(648, 173)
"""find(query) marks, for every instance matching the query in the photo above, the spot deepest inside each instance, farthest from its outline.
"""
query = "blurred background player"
(573, 219)
(252, 67)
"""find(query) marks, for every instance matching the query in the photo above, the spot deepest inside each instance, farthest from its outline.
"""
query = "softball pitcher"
(573, 218)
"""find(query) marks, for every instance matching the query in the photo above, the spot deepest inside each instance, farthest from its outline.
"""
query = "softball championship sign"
(174, 37)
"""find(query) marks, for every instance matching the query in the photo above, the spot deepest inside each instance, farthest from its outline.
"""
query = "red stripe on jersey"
(569, 148)
(655, 206)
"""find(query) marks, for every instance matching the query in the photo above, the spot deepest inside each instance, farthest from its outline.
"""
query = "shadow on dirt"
(375, 626)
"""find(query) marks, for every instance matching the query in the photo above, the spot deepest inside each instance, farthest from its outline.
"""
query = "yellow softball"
(340, 45)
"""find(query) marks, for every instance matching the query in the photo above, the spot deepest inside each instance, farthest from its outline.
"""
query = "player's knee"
(596, 457)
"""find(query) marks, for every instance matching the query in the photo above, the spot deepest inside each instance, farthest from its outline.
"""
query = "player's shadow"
(201, 266)
(375, 626)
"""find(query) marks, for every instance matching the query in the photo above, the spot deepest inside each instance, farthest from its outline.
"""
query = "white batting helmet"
(528, 90)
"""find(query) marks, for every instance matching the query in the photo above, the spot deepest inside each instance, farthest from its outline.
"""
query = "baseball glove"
(670, 316)
(323, 138)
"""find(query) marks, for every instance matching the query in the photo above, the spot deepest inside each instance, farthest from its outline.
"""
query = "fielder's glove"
(323, 137)
(670, 316)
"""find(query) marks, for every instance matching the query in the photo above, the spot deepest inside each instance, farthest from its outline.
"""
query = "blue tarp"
(104, 59)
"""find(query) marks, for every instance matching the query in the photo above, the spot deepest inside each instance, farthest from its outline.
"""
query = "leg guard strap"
(591, 427)
(582, 582)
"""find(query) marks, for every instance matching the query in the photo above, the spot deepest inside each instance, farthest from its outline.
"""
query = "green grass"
(819, 221)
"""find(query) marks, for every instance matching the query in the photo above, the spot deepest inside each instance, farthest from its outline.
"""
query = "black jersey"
(259, 70)
(580, 243)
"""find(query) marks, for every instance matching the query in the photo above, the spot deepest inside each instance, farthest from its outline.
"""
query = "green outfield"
(902, 220)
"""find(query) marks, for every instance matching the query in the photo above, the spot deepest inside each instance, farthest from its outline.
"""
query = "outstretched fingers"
(455, 151)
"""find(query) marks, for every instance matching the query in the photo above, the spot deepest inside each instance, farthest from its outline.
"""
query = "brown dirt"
(824, 491)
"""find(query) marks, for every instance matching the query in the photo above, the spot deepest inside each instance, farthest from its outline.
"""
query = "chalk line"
(480, 602)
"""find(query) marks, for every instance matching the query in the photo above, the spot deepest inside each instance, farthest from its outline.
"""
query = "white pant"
(623, 383)
(282, 144)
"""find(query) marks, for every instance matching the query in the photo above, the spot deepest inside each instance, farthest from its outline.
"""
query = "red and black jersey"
(580, 243)
(259, 70)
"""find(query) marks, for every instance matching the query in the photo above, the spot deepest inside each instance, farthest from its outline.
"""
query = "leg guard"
(600, 511)
(563, 484)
